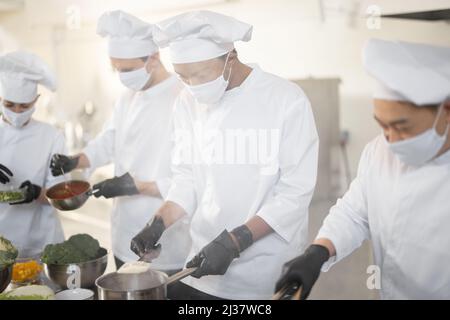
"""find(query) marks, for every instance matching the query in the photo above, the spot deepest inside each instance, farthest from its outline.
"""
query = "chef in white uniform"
(399, 198)
(244, 164)
(26, 146)
(137, 140)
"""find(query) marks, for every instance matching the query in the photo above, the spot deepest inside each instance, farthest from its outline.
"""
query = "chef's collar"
(4, 124)
(156, 89)
(229, 94)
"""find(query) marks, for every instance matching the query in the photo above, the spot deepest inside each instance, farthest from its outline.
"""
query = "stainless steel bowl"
(73, 202)
(5, 277)
(89, 271)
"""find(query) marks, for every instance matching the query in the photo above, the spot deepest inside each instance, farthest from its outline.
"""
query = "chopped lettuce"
(11, 196)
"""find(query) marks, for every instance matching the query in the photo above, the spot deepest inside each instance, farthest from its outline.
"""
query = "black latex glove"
(147, 239)
(5, 173)
(115, 187)
(215, 257)
(60, 163)
(32, 192)
(304, 270)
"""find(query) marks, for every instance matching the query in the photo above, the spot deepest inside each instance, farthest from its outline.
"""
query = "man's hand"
(5, 174)
(304, 270)
(32, 192)
(147, 239)
(216, 257)
(115, 187)
(60, 164)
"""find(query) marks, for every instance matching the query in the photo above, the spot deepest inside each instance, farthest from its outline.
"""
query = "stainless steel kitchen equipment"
(149, 285)
(89, 271)
(70, 195)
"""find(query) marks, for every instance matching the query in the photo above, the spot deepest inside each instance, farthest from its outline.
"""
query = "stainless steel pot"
(81, 191)
(150, 285)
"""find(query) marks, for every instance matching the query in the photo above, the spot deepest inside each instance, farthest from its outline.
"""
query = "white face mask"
(210, 92)
(136, 79)
(419, 150)
(17, 120)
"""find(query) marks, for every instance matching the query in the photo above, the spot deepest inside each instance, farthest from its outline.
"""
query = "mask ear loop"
(146, 65)
(225, 66)
(441, 108)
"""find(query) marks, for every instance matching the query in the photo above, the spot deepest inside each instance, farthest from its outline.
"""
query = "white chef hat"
(129, 37)
(20, 74)
(416, 73)
(200, 35)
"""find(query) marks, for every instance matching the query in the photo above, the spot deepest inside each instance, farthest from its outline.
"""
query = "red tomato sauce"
(68, 190)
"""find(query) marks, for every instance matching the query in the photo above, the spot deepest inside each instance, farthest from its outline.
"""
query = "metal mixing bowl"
(72, 202)
(5, 277)
(89, 271)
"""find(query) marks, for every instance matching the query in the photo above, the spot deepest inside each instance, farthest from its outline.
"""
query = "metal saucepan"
(149, 285)
(69, 195)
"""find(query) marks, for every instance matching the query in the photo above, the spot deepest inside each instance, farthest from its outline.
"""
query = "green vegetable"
(11, 196)
(86, 244)
(79, 248)
(5, 296)
(8, 253)
(31, 292)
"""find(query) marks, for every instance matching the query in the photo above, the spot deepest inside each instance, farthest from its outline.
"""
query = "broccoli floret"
(63, 253)
(52, 253)
(79, 248)
(86, 244)
(8, 253)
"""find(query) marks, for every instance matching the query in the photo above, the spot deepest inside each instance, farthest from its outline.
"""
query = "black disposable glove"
(146, 240)
(115, 187)
(5, 173)
(304, 270)
(60, 164)
(32, 192)
(215, 257)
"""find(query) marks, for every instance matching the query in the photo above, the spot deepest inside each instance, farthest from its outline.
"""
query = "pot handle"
(283, 291)
(180, 275)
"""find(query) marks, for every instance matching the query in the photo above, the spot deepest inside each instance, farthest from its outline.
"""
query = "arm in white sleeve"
(182, 190)
(286, 208)
(100, 151)
(163, 185)
(164, 181)
(347, 226)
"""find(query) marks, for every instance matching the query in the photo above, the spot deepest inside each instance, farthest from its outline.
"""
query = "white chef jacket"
(225, 191)
(138, 140)
(405, 211)
(27, 152)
